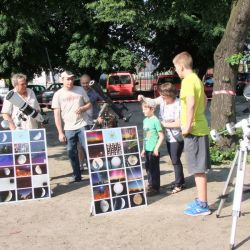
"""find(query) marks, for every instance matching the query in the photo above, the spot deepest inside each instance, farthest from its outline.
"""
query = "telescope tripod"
(237, 169)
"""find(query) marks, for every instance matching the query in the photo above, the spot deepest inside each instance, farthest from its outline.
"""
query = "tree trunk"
(225, 76)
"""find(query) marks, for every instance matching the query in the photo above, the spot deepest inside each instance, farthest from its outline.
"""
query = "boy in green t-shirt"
(152, 139)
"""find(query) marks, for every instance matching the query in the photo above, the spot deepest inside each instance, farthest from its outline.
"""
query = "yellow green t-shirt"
(191, 85)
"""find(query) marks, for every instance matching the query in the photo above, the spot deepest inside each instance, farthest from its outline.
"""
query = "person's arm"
(205, 100)
(187, 128)
(159, 142)
(174, 124)
(84, 108)
(58, 122)
(8, 118)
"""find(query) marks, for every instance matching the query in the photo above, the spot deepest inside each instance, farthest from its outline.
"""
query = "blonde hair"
(168, 89)
(146, 105)
(17, 77)
(184, 59)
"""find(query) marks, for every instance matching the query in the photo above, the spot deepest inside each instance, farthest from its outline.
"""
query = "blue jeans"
(73, 136)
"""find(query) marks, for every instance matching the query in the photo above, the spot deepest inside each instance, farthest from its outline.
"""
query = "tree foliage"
(107, 35)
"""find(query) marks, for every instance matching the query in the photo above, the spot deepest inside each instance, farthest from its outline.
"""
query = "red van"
(121, 84)
(172, 78)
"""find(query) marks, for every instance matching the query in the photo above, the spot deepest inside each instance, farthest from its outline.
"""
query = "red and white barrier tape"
(224, 92)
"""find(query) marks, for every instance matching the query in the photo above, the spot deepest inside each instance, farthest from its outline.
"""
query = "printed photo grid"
(23, 166)
(115, 168)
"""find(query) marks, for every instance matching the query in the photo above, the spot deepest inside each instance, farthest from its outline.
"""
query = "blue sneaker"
(192, 204)
(197, 210)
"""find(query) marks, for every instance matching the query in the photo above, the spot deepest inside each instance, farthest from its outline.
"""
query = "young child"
(152, 140)
(195, 130)
(169, 116)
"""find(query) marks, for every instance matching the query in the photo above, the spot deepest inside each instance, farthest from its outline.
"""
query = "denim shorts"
(197, 153)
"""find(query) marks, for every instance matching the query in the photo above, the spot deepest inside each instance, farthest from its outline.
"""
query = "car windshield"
(36, 88)
(54, 87)
(122, 79)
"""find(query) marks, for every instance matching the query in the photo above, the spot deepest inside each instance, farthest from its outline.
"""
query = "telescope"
(24, 107)
(237, 172)
(107, 99)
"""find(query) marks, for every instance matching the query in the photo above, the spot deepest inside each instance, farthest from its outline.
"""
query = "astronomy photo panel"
(24, 173)
(114, 162)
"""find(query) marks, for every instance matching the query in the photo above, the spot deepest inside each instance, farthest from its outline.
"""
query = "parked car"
(38, 90)
(3, 92)
(121, 84)
(172, 78)
(47, 95)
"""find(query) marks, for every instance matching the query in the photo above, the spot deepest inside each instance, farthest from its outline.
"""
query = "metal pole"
(47, 53)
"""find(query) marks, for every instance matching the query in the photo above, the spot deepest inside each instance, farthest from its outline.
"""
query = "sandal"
(177, 189)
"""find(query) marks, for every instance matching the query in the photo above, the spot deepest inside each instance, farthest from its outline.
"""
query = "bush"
(224, 155)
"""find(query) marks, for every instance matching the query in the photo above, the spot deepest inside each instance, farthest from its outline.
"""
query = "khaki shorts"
(197, 153)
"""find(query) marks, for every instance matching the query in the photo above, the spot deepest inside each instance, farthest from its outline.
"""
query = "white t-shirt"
(68, 101)
(9, 108)
(170, 113)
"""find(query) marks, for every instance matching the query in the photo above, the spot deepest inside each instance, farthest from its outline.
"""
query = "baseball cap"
(149, 102)
(67, 73)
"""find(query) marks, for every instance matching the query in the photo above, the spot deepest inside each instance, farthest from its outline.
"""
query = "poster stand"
(115, 167)
(24, 173)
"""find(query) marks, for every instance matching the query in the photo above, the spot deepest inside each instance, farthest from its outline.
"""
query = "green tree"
(223, 105)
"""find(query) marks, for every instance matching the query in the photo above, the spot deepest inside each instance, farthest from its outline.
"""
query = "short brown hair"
(184, 59)
(167, 89)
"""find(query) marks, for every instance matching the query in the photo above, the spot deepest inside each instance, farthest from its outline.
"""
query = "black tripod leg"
(229, 180)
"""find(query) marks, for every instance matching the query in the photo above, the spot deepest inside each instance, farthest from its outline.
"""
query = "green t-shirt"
(151, 127)
(191, 85)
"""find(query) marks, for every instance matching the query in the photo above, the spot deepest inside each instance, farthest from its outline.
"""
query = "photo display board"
(23, 165)
(115, 168)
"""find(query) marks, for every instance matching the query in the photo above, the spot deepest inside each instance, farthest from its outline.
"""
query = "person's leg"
(201, 185)
(148, 170)
(154, 162)
(82, 152)
(72, 153)
(175, 151)
(198, 164)
(81, 137)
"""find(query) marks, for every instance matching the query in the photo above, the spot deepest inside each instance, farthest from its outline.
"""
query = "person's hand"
(79, 110)
(164, 124)
(62, 138)
(143, 153)
(156, 152)
(185, 131)
(140, 98)
(12, 126)
(100, 120)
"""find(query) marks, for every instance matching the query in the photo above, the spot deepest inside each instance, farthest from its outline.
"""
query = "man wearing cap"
(70, 104)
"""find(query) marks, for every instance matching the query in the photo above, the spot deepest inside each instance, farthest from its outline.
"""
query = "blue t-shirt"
(94, 97)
